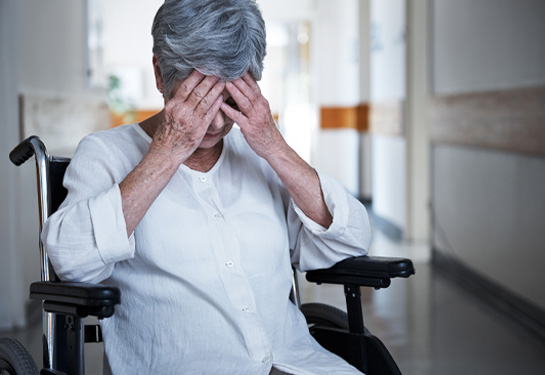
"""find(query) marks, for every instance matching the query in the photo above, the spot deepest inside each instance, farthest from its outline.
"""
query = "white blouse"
(205, 278)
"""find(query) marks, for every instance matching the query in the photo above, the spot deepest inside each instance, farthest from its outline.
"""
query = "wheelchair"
(66, 304)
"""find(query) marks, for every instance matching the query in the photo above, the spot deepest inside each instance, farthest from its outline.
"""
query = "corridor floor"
(430, 325)
(433, 327)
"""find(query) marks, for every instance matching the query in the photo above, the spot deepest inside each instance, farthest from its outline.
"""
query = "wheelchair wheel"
(15, 359)
(319, 314)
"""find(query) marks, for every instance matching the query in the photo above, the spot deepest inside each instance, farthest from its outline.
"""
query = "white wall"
(387, 50)
(277, 10)
(336, 58)
(337, 38)
(127, 44)
(389, 179)
(490, 204)
(387, 83)
(366, 157)
(337, 154)
(51, 56)
(12, 290)
(490, 210)
(488, 44)
(43, 53)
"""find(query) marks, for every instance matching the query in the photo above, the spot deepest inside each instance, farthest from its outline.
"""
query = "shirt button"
(218, 215)
(265, 359)
(229, 264)
(203, 179)
(246, 309)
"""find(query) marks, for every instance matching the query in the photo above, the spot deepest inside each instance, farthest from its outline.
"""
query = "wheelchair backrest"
(57, 168)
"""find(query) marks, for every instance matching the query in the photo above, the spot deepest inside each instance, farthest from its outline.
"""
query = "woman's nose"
(218, 121)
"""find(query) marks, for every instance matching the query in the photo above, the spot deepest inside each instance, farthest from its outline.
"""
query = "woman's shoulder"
(111, 137)
(121, 139)
(117, 150)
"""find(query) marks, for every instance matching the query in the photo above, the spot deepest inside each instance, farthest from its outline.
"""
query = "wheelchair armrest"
(76, 299)
(372, 271)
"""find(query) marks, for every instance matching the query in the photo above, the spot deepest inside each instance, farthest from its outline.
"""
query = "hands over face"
(188, 114)
(255, 118)
(195, 103)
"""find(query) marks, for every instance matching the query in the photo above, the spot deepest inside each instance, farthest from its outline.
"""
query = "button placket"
(235, 281)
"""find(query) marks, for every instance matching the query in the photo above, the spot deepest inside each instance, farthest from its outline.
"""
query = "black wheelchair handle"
(23, 151)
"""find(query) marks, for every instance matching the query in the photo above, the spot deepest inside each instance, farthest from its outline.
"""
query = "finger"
(243, 87)
(251, 82)
(201, 91)
(188, 85)
(215, 93)
(233, 114)
(248, 86)
(209, 116)
(243, 103)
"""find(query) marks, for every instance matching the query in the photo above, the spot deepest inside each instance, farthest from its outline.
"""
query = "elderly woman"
(199, 223)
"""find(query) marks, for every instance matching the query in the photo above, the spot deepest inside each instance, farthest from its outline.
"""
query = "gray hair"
(223, 38)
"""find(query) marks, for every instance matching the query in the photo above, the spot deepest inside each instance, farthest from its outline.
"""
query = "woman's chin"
(211, 140)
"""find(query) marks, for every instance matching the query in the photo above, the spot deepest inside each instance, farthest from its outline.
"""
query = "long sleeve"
(86, 236)
(314, 246)
(210, 258)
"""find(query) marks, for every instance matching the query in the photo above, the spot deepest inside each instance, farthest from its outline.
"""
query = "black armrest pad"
(364, 270)
(80, 294)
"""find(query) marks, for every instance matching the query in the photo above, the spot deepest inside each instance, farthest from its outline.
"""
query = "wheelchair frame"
(65, 304)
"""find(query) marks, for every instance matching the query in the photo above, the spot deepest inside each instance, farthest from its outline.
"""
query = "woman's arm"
(258, 127)
(182, 126)
(302, 182)
(343, 229)
(92, 229)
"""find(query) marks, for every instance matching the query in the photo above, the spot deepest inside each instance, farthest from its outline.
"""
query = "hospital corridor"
(429, 115)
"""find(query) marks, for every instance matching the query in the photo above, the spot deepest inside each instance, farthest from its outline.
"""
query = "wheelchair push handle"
(24, 150)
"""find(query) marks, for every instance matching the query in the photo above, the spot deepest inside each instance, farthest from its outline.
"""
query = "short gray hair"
(223, 38)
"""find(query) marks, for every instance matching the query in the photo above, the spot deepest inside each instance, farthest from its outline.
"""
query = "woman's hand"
(255, 118)
(187, 115)
(257, 125)
(185, 119)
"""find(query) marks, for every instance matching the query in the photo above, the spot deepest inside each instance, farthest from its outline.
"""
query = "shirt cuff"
(109, 227)
(337, 203)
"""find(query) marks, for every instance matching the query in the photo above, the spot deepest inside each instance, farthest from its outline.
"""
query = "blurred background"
(431, 112)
